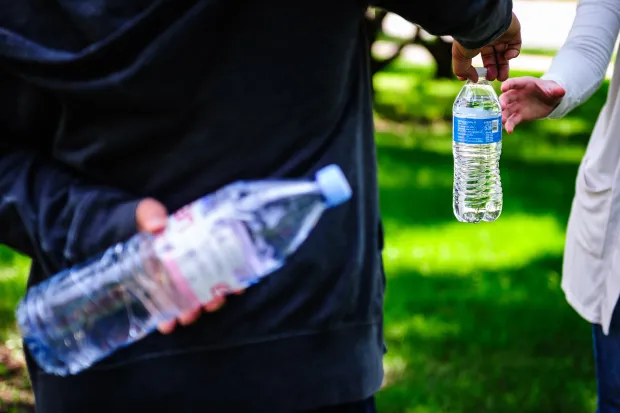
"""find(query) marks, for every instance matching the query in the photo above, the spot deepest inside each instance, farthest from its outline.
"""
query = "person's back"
(108, 102)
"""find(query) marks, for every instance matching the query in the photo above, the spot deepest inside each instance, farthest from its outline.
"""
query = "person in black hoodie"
(113, 112)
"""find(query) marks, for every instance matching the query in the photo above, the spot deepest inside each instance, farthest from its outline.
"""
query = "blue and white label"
(477, 131)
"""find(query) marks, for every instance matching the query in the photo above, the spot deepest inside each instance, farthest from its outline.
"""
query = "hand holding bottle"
(151, 216)
(495, 56)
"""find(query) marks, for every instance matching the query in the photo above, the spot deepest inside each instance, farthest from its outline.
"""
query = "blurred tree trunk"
(440, 49)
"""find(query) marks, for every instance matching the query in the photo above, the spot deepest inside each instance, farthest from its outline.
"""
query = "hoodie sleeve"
(47, 211)
(473, 23)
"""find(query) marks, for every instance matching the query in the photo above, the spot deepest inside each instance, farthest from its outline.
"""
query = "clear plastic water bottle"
(216, 245)
(477, 147)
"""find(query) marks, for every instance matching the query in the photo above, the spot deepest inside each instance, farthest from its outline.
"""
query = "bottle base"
(477, 216)
(491, 216)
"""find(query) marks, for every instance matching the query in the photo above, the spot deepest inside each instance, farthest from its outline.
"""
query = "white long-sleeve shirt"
(591, 269)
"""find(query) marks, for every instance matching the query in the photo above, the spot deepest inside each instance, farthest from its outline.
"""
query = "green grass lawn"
(475, 318)
(15, 394)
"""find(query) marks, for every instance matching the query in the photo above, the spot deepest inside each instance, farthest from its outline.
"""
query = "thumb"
(151, 216)
(461, 62)
(519, 83)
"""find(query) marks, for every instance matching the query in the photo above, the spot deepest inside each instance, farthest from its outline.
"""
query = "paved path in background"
(537, 19)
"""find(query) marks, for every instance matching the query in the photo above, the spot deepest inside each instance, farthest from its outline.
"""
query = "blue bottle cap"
(333, 184)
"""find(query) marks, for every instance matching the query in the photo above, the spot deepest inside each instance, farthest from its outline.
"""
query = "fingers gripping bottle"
(477, 147)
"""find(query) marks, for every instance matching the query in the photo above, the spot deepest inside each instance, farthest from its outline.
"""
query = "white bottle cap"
(482, 71)
(334, 185)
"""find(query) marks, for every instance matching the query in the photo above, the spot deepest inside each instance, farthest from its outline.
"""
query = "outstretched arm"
(576, 72)
(479, 26)
(580, 65)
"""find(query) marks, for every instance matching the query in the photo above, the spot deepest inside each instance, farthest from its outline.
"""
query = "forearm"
(472, 23)
(580, 65)
(48, 213)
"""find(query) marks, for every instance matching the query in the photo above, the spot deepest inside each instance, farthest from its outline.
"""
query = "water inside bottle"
(477, 149)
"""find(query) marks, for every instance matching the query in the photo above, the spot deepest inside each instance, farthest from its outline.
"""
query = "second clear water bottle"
(477, 147)
(214, 246)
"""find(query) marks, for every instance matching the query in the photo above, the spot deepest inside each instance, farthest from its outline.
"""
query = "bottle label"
(207, 254)
(477, 131)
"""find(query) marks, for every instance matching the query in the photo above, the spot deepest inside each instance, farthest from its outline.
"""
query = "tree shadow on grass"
(496, 341)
